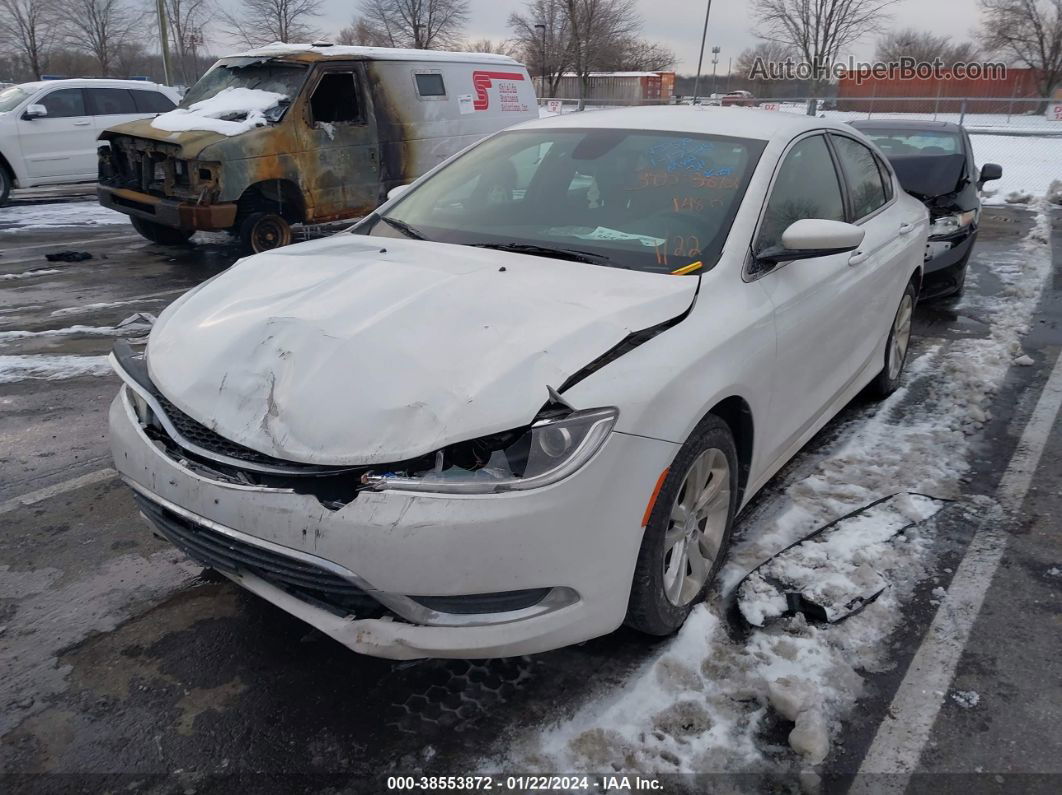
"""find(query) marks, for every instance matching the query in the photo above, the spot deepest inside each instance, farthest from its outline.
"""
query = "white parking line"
(68, 243)
(56, 489)
(897, 746)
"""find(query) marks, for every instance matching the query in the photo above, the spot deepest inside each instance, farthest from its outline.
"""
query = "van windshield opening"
(646, 200)
(276, 76)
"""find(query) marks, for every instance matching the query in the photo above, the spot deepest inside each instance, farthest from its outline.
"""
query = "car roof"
(763, 125)
(904, 124)
(325, 52)
(90, 82)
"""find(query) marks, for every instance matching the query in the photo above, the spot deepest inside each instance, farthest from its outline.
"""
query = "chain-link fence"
(1022, 134)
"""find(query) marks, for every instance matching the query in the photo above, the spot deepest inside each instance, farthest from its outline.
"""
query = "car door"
(339, 164)
(111, 106)
(820, 304)
(62, 144)
(883, 259)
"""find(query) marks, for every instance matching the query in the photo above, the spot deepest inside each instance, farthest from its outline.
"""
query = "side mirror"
(35, 112)
(397, 191)
(814, 237)
(989, 172)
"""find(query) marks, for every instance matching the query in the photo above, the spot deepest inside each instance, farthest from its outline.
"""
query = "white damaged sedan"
(522, 403)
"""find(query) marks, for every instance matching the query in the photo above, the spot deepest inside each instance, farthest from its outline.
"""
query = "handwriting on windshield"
(685, 246)
(649, 179)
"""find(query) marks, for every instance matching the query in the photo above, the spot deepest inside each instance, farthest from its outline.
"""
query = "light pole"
(700, 59)
(164, 40)
(542, 28)
(715, 63)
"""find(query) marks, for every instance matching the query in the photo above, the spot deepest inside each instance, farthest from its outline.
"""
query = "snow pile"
(231, 111)
(49, 216)
(709, 702)
(89, 308)
(967, 699)
(30, 274)
(1030, 165)
(51, 368)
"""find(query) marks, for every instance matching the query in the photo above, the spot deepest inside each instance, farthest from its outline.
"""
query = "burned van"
(290, 134)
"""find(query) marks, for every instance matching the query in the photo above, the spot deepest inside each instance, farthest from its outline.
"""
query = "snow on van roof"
(278, 48)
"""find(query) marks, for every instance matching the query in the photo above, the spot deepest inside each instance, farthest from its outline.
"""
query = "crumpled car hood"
(335, 352)
(929, 176)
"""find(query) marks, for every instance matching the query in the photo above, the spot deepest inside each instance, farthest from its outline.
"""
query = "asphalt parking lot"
(122, 665)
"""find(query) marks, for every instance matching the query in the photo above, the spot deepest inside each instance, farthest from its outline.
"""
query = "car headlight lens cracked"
(950, 224)
(548, 451)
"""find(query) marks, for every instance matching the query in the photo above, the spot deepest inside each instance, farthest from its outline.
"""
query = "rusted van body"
(290, 134)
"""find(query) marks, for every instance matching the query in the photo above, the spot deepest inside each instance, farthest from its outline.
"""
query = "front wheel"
(5, 185)
(897, 345)
(688, 533)
(264, 231)
(157, 233)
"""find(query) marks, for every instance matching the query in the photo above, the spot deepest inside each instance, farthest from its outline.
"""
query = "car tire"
(5, 185)
(157, 233)
(264, 231)
(668, 582)
(897, 345)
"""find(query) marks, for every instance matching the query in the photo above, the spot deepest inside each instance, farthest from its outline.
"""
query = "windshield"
(647, 200)
(915, 142)
(276, 76)
(11, 97)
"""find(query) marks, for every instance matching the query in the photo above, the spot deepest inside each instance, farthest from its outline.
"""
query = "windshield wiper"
(571, 254)
(402, 227)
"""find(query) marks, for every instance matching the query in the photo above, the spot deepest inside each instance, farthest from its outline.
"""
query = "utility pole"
(542, 87)
(164, 40)
(700, 59)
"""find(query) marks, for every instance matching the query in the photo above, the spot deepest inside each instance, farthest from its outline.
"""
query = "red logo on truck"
(481, 81)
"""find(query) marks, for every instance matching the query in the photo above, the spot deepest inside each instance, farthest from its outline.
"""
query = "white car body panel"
(399, 354)
(791, 345)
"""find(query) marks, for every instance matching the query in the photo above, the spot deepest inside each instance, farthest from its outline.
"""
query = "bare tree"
(633, 54)
(99, 28)
(28, 28)
(420, 24)
(547, 50)
(818, 30)
(264, 21)
(1029, 31)
(363, 34)
(751, 58)
(499, 47)
(187, 19)
(924, 46)
(596, 26)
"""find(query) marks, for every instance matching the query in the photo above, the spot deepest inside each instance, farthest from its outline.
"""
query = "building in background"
(625, 87)
(869, 95)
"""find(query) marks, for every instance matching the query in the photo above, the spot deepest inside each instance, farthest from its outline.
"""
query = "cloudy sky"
(678, 23)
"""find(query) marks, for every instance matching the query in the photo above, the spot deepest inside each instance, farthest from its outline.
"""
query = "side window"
(861, 172)
(335, 99)
(110, 101)
(806, 187)
(430, 84)
(151, 102)
(64, 103)
(886, 177)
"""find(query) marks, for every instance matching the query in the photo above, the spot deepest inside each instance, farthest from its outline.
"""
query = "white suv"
(48, 130)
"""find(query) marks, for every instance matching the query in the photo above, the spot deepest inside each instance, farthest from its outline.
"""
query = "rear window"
(915, 142)
(110, 101)
(430, 85)
(152, 102)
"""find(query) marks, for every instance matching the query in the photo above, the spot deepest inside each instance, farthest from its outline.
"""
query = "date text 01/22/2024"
(524, 783)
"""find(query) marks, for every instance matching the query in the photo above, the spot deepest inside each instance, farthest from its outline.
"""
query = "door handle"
(82, 123)
(857, 257)
(905, 228)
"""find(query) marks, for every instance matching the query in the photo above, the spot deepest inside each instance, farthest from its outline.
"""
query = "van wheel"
(157, 233)
(686, 539)
(264, 231)
(5, 185)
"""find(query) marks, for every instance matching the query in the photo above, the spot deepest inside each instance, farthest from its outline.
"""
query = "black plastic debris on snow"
(800, 595)
(68, 256)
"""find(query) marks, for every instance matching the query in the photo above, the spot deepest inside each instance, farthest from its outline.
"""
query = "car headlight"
(548, 451)
(950, 224)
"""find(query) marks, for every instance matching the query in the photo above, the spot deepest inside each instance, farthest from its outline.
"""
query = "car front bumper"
(168, 212)
(943, 269)
(578, 538)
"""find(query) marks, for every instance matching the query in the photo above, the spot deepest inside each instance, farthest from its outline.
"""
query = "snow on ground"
(48, 216)
(74, 331)
(231, 111)
(30, 274)
(1030, 165)
(20, 368)
(706, 700)
(88, 308)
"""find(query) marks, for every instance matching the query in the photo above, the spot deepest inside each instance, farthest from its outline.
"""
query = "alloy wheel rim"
(696, 526)
(901, 336)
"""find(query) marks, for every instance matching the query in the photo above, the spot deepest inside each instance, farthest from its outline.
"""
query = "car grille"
(200, 435)
(304, 580)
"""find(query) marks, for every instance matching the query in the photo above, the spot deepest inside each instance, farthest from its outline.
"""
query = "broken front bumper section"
(168, 212)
